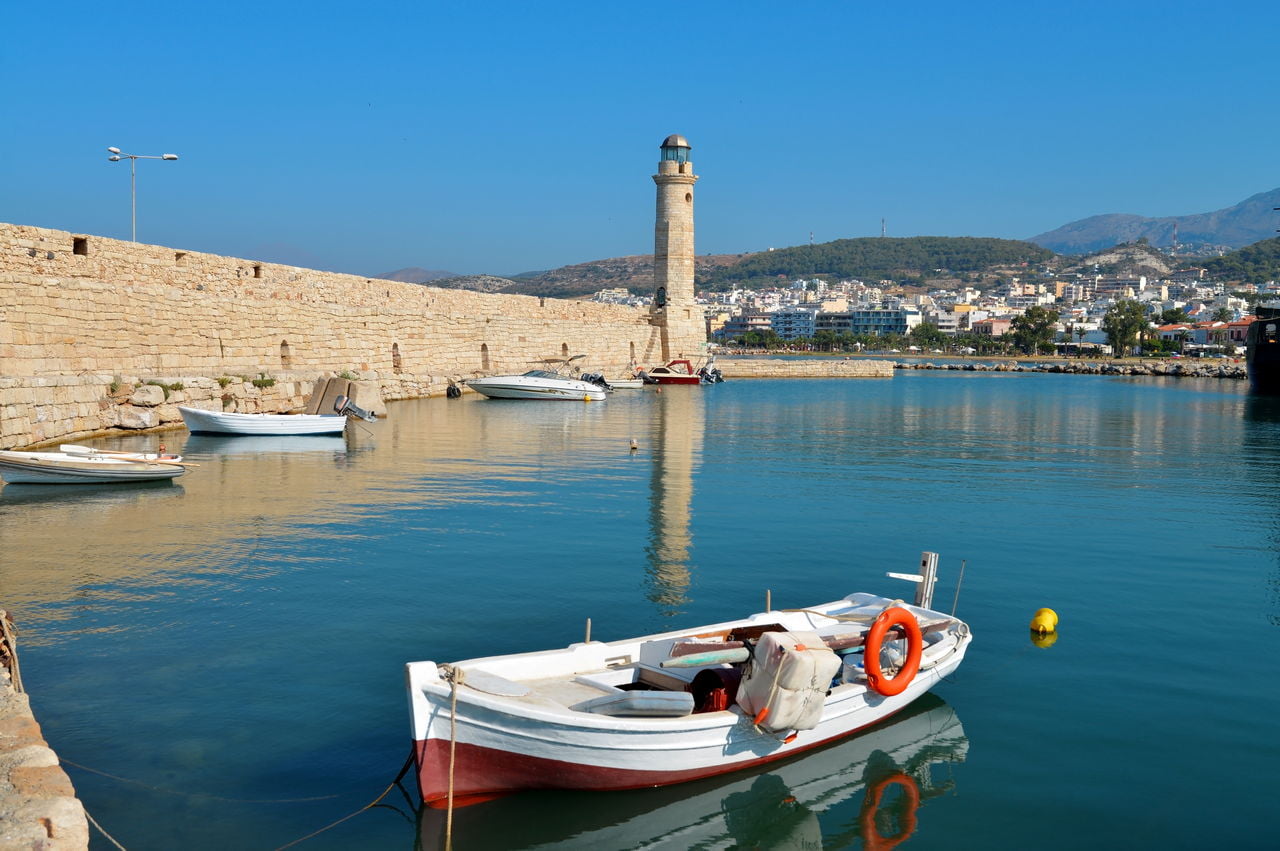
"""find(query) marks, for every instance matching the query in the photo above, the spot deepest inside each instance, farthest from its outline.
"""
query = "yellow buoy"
(1044, 621)
(1044, 640)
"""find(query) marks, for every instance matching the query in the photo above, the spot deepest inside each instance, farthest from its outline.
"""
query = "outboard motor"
(596, 378)
(345, 407)
(646, 377)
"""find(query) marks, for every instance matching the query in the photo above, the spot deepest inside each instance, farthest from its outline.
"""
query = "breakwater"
(84, 318)
(1176, 368)
(38, 806)
(805, 368)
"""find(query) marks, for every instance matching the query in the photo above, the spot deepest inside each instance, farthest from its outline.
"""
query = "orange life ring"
(871, 838)
(890, 686)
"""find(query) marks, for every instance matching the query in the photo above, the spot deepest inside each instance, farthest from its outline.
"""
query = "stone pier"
(38, 806)
(804, 368)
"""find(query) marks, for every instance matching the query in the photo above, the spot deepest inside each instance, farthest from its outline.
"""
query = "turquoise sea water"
(219, 660)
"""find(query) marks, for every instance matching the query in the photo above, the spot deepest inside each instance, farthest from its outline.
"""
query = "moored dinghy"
(675, 706)
(84, 465)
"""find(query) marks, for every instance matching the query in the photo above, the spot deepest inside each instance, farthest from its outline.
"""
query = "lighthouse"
(674, 311)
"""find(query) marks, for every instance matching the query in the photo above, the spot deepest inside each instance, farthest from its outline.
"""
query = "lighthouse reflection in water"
(874, 787)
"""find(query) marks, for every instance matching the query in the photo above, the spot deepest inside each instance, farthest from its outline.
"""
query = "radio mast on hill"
(882, 231)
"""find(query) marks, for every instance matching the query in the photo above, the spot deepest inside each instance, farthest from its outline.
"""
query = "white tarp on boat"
(788, 680)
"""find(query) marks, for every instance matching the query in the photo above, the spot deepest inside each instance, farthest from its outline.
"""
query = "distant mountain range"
(1250, 221)
(916, 260)
(634, 272)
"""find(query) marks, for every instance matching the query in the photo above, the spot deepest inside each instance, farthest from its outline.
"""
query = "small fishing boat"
(82, 465)
(682, 371)
(552, 382)
(200, 421)
(676, 706)
(776, 806)
(626, 383)
(678, 371)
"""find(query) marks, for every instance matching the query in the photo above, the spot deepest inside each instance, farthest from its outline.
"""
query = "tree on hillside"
(1033, 330)
(1173, 316)
(1123, 323)
(1255, 264)
(1222, 314)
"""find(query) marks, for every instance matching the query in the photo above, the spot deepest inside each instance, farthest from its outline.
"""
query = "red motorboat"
(681, 371)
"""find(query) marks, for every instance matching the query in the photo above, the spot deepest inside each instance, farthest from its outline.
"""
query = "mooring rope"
(455, 677)
(11, 651)
(110, 838)
(181, 793)
(408, 762)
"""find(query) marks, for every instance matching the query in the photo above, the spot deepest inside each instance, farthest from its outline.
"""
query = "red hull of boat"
(481, 774)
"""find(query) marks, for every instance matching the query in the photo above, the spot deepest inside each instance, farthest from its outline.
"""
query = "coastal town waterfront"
(218, 660)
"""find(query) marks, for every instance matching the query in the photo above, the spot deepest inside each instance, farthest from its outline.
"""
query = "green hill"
(876, 258)
(1253, 264)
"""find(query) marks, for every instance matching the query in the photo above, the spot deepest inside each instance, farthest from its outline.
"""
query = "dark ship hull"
(1262, 352)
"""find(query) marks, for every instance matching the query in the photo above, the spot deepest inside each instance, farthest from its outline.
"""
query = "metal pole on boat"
(928, 576)
(768, 600)
(587, 640)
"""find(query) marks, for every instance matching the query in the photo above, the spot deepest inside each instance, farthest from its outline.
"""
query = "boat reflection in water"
(263, 444)
(99, 494)
(783, 806)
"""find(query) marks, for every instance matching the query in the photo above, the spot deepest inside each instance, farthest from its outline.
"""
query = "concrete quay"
(733, 368)
(39, 810)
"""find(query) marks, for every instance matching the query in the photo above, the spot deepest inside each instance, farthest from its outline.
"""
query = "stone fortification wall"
(805, 368)
(98, 314)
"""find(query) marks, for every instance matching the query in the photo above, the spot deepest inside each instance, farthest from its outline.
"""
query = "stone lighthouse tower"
(674, 312)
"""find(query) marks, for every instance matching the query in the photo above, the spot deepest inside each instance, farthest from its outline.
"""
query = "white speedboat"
(200, 421)
(76, 465)
(551, 383)
(676, 706)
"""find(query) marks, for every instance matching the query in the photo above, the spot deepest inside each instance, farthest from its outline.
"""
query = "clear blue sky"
(508, 137)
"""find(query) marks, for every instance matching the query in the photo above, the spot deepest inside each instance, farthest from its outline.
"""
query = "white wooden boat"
(82, 465)
(675, 706)
(551, 383)
(726, 812)
(200, 421)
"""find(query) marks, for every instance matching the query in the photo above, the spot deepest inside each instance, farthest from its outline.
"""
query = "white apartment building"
(790, 323)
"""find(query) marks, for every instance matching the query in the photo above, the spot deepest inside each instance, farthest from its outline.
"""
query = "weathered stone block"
(147, 395)
(134, 418)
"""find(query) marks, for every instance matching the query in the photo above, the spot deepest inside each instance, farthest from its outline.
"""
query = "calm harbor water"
(219, 659)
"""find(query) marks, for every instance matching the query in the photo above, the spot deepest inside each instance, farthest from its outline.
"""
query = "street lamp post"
(115, 157)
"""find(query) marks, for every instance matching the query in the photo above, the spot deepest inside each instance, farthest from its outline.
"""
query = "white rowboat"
(200, 421)
(713, 814)
(86, 466)
(667, 708)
